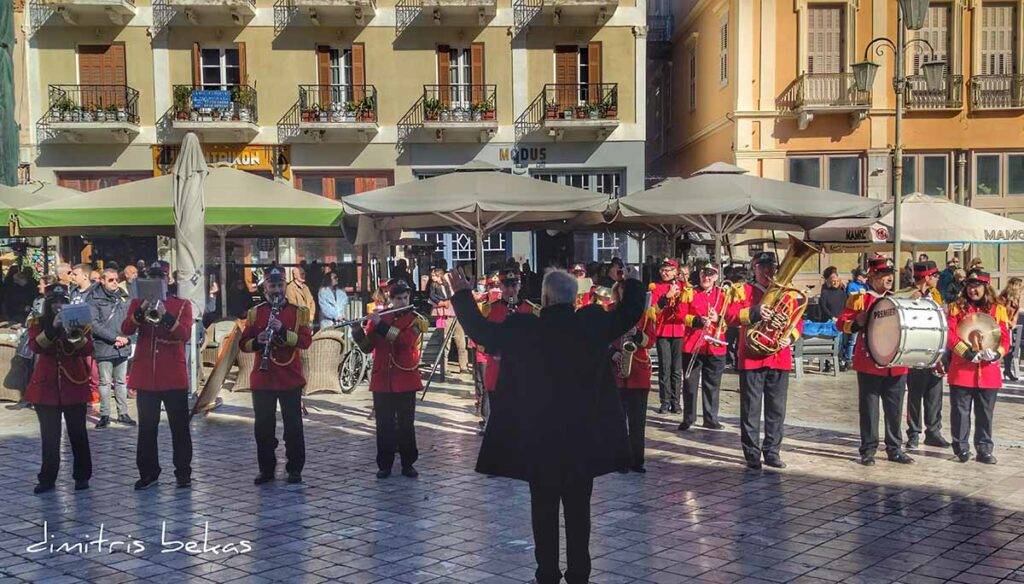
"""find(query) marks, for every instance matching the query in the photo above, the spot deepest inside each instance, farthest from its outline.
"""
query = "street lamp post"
(910, 15)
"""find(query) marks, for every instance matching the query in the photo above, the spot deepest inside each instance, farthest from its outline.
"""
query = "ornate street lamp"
(914, 13)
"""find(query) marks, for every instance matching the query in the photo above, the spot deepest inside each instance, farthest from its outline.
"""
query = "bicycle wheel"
(351, 372)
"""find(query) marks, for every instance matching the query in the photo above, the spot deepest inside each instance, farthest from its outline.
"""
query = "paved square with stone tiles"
(698, 515)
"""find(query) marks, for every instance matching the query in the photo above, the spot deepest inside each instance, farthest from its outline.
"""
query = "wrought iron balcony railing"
(460, 103)
(212, 104)
(92, 103)
(949, 96)
(338, 103)
(581, 101)
(659, 28)
(997, 92)
(823, 91)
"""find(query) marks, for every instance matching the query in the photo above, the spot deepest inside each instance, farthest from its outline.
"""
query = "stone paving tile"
(698, 515)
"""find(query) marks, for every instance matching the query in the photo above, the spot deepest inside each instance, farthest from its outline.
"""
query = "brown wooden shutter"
(358, 70)
(117, 76)
(323, 67)
(825, 39)
(566, 73)
(936, 32)
(327, 187)
(443, 78)
(101, 69)
(197, 65)
(243, 75)
(476, 72)
(997, 39)
(594, 71)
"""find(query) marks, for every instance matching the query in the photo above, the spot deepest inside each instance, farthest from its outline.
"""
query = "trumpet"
(363, 319)
(75, 334)
(153, 313)
(76, 320)
(629, 348)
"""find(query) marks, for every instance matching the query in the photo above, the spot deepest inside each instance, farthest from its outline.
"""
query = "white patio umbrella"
(189, 218)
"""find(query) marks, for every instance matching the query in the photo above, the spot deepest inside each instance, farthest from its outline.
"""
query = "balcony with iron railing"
(451, 111)
(335, 113)
(561, 13)
(575, 108)
(232, 112)
(437, 12)
(947, 97)
(824, 93)
(997, 92)
(202, 12)
(83, 12)
(91, 113)
(322, 13)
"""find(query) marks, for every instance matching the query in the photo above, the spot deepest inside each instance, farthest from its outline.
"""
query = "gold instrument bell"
(980, 331)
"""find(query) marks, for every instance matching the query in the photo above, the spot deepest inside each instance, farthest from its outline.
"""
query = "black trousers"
(395, 415)
(889, 390)
(264, 408)
(175, 403)
(962, 400)
(574, 497)
(770, 387)
(634, 401)
(50, 434)
(670, 370)
(707, 372)
(924, 400)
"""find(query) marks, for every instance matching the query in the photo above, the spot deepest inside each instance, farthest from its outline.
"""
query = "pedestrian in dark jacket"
(109, 304)
(833, 295)
(557, 419)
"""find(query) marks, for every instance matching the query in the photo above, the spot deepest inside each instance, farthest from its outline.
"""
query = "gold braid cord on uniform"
(421, 325)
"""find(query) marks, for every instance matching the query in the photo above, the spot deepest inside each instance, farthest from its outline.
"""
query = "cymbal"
(980, 331)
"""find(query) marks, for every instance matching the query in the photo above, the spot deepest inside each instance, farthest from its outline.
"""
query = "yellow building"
(768, 85)
(342, 96)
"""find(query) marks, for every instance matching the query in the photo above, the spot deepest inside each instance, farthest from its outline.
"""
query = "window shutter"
(116, 76)
(936, 32)
(443, 75)
(723, 65)
(476, 72)
(323, 68)
(197, 66)
(565, 74)
(594, 71)
(358, 70)
(825, 39)
(243, 76)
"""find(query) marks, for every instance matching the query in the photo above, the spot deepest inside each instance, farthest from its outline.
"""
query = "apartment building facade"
(768, 85)
(342, 96)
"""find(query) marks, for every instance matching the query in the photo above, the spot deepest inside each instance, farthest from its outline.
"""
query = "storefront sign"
(211, 99)
(270, 159)
(523, 155)
(1004, 235)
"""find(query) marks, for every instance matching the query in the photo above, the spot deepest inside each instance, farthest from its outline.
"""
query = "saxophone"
(629, 348)
(764, 338)
(276, 304)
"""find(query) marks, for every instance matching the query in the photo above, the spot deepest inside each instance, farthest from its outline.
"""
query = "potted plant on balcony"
(365, 109)
(121, 112)
(432, 109)
(568, 112)
(182, 102)
(551, 111)
(246, 103)
(594, 110)
(89, 114)
(62, 109)
(349, 112)
(337, 112)
(215, 115)
(610, 109)
(583, 111)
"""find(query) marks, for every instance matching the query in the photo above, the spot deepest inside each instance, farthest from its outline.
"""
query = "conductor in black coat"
(557, 420)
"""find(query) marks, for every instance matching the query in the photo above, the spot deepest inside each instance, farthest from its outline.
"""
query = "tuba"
(764, 338)
(629, 348)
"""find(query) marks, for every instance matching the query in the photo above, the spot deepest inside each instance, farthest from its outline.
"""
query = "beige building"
(768, 85)
(342, 96)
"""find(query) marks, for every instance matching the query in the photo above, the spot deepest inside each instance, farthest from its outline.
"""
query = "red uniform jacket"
(285, 371)
(862, 363)
(744, 297)
(699, 303)
(396, 352)
(496, 312)
(640, 372)
(63, 372)
(983, 375)
(159, 362)
(671, 319)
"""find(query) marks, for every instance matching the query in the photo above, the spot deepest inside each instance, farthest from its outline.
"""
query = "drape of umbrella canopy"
(473, 199)
(8, 125)
(723, 199)
(190, 238)
(12, 199)
(926, 222)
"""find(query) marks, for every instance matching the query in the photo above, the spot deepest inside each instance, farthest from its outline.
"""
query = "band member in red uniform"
(634, 381)
(488, 364)
(974, 375)
(875, 383)
(394, 340)
(276, 331)
(704, 311)
(924, 386)
(586, 286)
(60, 386)
(762, 379)
(159, 375)
(669, 328)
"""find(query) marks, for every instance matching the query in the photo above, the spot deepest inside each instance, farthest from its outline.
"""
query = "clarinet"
(275, 309)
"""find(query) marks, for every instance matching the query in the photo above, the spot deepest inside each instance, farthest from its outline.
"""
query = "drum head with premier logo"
(883, 332)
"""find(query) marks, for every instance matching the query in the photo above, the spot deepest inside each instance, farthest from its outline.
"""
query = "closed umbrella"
(189, 216)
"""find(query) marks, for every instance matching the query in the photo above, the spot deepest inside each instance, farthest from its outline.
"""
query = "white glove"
(989, 355)
(977, 358)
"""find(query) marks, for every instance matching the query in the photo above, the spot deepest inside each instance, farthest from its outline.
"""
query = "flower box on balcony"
(307, 116)
(552, 112)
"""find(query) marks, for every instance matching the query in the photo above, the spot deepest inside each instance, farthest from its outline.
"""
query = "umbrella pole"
(479, 253)
(223, 271)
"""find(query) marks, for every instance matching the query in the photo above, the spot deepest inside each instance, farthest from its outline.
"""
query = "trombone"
(725, 294)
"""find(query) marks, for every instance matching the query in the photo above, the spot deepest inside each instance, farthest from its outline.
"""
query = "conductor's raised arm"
(482, 331)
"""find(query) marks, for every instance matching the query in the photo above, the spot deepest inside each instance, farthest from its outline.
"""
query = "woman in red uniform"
(634, 388)
(60, 386)
(974, 374)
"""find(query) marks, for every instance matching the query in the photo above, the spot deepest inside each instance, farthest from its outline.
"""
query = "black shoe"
(126, 420)
(753, 464)
(843, 367)
(913, 443)
(826, 367)
(42, 488)
(684, 426)
(986, 459)
(383, 474)
(145, 483)
(937, 441)
(900, 458)
(294, 478)
(263, 478)
(774, 461)
(662, 409)
(964, 456)
(638, 468)
(712, 425)
(675, 410)
(624, 470)
(103, 423)
(82, 485)
(867, 460)
(409, 471)
(183, 482)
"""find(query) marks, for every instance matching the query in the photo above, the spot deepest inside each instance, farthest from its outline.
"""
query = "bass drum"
(906, 332)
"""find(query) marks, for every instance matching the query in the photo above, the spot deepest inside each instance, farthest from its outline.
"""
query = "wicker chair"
(14, 370)
(246, 361)
(322, 362)
(215, 334)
